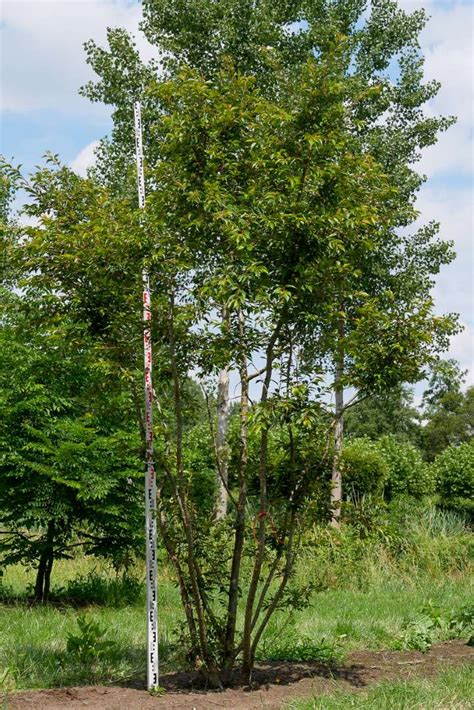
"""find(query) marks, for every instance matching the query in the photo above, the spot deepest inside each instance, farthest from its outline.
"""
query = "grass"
(369, 596)
(453, 688)
(33, 645)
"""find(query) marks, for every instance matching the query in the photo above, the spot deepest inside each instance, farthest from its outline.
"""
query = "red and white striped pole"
(150, 477)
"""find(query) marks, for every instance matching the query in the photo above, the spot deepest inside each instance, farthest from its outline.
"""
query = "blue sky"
(42, 66)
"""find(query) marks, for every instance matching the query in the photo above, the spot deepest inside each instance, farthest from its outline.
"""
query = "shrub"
(364, 469)
(408, 474)
(454, 474)
(95, 588)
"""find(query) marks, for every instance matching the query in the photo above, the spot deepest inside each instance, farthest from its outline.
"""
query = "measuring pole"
(150, 477)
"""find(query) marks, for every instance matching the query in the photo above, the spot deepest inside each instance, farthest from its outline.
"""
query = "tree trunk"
(45, 565)
(39, 583)
(221, 442)
(234, 582)
(336, 477)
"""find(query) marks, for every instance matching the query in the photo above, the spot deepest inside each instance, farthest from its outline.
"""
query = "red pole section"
(150, 477)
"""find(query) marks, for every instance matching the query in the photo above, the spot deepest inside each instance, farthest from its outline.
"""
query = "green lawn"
(33, 639)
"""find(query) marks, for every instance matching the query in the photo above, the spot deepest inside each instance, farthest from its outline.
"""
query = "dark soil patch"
(275, 684)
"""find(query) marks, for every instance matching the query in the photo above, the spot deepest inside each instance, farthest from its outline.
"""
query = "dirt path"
(278, 683)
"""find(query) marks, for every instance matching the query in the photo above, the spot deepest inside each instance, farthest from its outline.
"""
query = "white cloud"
(452, 207)
(462, 349)
(447, 43)
(43, 61)
(84, 159)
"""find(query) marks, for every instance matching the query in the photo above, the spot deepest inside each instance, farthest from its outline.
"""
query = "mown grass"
(367, 592)
(451, 689)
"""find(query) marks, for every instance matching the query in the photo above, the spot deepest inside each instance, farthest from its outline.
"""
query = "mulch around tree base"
(276, 684)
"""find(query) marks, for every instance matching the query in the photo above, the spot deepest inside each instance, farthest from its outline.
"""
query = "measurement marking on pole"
(150, 479)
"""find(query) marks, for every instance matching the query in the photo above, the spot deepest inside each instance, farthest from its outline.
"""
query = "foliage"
(200, 465)
(90, 644)
(449, 412)
(98, 589)
(70, 473)
(406, 539)
(365, 470)
(454, 472)
(432, 623)
(417, 636)
(408, 474)
(390, 412)
(280, 184)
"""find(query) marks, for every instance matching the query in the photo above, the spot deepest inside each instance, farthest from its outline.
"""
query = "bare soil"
(274, 684)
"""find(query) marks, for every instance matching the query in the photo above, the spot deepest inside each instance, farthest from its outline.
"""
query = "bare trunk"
(229, 653)
(221, 443)
(248, 655)
(39, 583)
(336, 477)
(188, 527)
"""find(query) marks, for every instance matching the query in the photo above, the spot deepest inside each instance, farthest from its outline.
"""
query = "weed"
(416, 636)
(157, 692)
(90, 645)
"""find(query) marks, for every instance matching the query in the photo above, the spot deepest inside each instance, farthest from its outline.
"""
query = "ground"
(276, 684)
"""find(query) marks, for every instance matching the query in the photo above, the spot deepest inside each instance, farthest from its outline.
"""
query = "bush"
(364, 469)
(94, 588)
(454, 474)
(408, 474)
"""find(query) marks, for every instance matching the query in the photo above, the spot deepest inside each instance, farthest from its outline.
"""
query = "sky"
(42, 65)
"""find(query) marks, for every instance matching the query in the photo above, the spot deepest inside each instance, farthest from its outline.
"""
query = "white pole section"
(150, 477)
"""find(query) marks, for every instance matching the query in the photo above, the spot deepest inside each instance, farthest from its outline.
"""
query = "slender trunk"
(229, 651)
(185, 598)
(221, 442)
(45, 565)
(247, 668)
(336, 477)
(248, 660)
(39, 583)
(192, 564)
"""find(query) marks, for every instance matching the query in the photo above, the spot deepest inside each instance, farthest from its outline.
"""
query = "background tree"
(70, 473)
(448, 411)
(390, 412)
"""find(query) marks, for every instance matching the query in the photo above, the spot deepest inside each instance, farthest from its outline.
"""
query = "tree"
(271, 200)
(391, 412)
(271, 42)
(447, 410)
(69, 466)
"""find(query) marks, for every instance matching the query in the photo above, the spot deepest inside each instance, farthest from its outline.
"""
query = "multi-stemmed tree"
(279, 175)
(379, 57)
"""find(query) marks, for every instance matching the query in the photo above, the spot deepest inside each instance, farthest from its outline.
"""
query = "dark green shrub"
(364, 469)
(101, 590)
(454, 473)
(408, 474)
